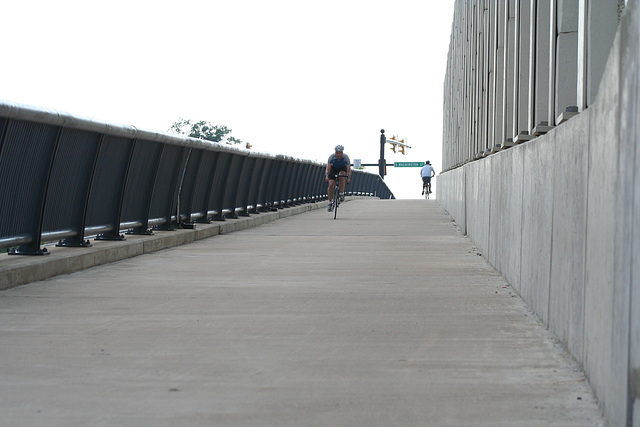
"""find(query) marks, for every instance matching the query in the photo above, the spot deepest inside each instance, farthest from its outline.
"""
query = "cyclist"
(338, 164)
(427, 172)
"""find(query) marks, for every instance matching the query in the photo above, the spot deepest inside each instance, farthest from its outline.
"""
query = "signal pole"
(382, 165)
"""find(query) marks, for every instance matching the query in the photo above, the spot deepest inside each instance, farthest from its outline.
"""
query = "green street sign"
(408, 164)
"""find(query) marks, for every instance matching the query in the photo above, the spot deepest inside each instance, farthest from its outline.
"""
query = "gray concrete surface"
(269, 327)
(18, 270)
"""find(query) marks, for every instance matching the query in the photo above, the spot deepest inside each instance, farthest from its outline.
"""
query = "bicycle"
(336, 193)
(425, 190)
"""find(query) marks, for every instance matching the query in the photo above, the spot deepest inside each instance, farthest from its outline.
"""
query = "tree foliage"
(204, 130)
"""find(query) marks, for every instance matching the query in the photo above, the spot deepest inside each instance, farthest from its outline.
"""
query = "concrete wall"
(559, 217)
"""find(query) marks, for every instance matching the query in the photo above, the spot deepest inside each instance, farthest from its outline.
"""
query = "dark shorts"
(426, 180)
(335, 171)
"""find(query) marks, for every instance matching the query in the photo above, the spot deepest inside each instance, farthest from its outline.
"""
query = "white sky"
(291, 77)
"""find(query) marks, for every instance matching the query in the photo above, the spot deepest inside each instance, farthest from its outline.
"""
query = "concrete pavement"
(266, 327)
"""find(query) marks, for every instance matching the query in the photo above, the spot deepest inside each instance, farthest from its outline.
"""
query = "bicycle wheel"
(336, 202)
(425, 191)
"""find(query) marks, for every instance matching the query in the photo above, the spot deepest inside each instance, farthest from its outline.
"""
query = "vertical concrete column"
(491, 77)
(499, 122)
(523, 72)
(566, 60)
(479, 77)
(601, 23)
(456, 142)
(483, 76)
(462, 84)
(449, 116)
(466, 66)
(543, 59)
(581, 88)
(478, 66)
(447, 141)
(461, 88)
(486, 75)
(515, 89)
(553, 25)
(509, 67)
(533, 11)
(473, 76)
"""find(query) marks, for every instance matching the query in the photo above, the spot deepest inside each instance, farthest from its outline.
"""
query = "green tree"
(203, 130)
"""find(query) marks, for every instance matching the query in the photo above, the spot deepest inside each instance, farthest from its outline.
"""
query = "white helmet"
(339, 148)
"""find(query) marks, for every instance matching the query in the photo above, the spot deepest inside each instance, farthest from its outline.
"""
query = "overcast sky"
(291, 77)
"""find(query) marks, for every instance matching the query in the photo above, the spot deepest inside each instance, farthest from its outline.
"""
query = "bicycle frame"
(336, 192)
(426, 189)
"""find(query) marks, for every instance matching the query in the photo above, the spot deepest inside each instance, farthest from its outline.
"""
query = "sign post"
(382, 166)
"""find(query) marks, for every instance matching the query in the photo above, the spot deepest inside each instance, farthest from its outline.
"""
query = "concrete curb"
(19, 270)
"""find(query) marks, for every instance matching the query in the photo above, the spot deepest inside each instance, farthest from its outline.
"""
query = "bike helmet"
(428, 162)
(339, 148)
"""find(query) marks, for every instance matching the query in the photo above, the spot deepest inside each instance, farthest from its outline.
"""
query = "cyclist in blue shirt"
(338, 164)
(427, 172)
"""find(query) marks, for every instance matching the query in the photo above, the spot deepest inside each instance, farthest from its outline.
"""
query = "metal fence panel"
(70, 183)
(105, 199)
(204, 185)
(232, 185)
(245, 186)
(25, 164)
(218, 188)
(140, 181)
(165, 193)
(188, 184)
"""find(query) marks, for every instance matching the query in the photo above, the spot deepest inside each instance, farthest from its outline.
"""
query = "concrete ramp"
(385, 316)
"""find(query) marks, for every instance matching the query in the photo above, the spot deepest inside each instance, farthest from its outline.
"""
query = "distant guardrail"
(65, 178)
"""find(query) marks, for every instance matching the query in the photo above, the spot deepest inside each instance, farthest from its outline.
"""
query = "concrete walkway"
(266, 327)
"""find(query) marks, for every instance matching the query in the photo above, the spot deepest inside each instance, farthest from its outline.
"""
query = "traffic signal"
(393, 143)
(249, 146)
(401, 149)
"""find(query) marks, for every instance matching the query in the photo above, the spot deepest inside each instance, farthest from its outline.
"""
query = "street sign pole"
(382, 162)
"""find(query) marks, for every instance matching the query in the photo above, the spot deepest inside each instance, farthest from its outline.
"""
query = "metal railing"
(65, 178)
